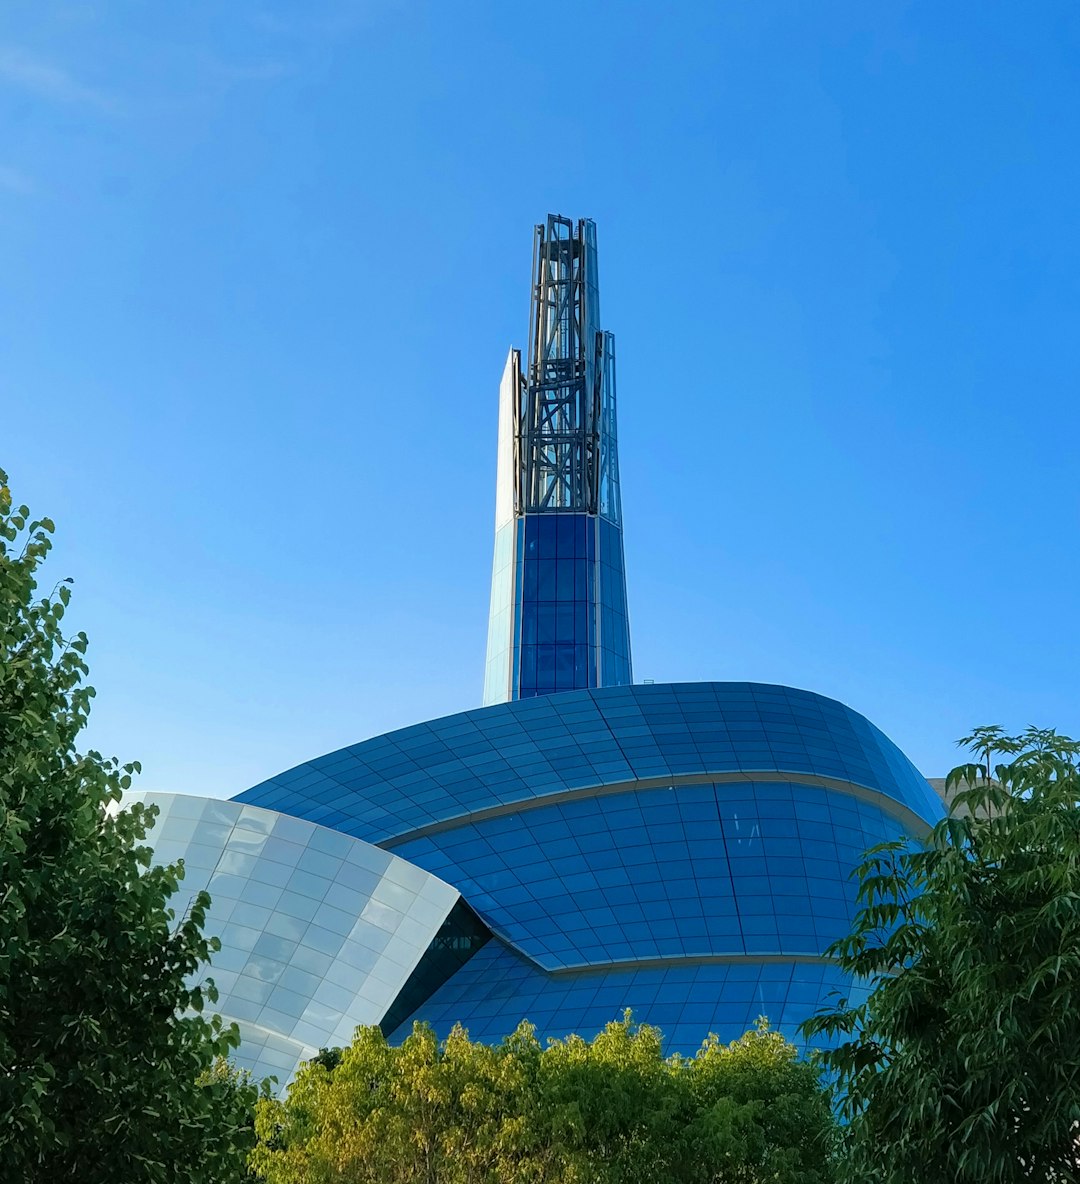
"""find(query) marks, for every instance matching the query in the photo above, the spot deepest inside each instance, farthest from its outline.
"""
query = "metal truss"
(560, 414)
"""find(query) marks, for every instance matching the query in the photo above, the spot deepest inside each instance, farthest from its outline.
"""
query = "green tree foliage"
(231, 1095)
(963, 1064)
(608, 1111)
(101, 1042)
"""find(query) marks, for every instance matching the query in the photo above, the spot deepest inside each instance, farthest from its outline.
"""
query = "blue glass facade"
(685, 850)
(499, 987)
(689, 871)
(574, 632)
(580, 844)
(390, 787)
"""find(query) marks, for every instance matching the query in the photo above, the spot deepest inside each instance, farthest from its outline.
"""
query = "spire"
(558, 590)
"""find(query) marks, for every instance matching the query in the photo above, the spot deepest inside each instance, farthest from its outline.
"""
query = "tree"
(616, 1106)
(963, 1061)
(101, 1040)
(232, 1095)
(759, 1106)
(424, 1112)
(611, 1110)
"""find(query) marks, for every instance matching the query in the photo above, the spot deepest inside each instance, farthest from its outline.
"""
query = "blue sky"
(262, 263)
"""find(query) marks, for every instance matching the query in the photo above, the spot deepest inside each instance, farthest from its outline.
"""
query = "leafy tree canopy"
(963, 1063)
(101, 1040)
(606, 1111)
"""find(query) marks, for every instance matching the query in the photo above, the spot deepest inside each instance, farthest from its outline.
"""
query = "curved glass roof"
(511, 756)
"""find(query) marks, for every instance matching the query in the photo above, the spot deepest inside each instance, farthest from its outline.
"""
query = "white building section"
(319, 931)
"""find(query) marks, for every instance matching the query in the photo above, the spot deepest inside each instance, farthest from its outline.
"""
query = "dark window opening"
(461, 935)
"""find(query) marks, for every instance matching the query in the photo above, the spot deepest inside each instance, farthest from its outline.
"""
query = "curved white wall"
(319, 931)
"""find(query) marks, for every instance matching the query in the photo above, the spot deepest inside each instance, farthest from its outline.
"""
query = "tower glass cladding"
(558, 591)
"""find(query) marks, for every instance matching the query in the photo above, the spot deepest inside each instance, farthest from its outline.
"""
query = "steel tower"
(558, 588)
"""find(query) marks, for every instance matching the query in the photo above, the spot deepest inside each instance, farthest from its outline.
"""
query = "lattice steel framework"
(569, 384)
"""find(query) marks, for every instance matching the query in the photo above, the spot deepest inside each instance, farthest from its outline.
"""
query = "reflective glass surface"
(319, 932)
(558, 617)
(692, 871)
(498, 988)
(458, 939)
(607, 832)
(557, 639)
(384, 788)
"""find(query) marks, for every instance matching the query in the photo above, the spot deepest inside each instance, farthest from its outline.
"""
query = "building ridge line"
(865, 793)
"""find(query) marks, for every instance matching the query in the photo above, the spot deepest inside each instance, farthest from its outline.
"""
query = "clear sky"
(261, 264)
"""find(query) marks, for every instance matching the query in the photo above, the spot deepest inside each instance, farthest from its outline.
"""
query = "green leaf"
(962, 1064)
(106, 1074)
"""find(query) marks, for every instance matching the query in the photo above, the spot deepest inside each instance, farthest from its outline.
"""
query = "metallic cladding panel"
(501, 651)
(507, 469)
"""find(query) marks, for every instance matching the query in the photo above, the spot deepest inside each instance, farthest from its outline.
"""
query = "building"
(578, 845)
(558, 585)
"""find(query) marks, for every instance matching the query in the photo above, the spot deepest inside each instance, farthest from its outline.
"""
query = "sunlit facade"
(319, 932)
(558, 618)
(578, 845)
(680, 849)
